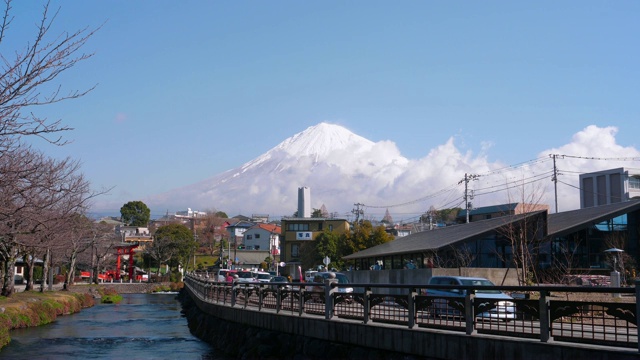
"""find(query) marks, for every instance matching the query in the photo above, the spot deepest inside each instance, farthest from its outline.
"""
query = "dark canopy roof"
(559, 224)
(441, 237)
(567, 222)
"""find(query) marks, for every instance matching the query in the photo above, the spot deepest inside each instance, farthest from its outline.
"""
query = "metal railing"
(541, 314)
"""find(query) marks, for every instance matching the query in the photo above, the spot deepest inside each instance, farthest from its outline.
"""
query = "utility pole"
(554, 177)
(467, 197)
(357, 211)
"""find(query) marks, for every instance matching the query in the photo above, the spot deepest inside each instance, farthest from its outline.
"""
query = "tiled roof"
(269, 227)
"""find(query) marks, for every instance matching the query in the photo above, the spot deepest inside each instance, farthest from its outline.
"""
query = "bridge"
(403, 318)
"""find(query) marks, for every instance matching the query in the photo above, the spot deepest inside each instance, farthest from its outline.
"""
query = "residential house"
(263, 237)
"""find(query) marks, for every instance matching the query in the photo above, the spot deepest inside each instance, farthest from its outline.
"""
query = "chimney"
(304, 202)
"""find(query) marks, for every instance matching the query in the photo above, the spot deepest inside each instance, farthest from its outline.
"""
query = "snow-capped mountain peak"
(318, 142)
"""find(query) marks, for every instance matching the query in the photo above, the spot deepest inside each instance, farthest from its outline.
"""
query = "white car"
(263, 276)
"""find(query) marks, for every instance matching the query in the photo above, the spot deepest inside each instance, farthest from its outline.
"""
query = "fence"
(536, 312)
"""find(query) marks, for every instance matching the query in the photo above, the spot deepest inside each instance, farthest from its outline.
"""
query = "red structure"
(125, 250)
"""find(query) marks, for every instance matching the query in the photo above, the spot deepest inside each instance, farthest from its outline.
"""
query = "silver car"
(446, 301)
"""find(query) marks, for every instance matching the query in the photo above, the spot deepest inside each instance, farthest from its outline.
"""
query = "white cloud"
(377, 175)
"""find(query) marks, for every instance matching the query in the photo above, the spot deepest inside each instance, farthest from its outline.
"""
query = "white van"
(222, 275)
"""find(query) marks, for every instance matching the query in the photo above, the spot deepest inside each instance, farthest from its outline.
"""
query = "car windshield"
(264, 276)
(480, 282)
(244, 274)
(279, 279)
(342, 278)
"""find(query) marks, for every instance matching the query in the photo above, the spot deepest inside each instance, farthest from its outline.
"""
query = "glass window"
(298, 227)
(634, 182)
(295, 250)
(257, 236)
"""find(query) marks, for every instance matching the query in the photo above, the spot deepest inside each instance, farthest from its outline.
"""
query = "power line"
(599, 158)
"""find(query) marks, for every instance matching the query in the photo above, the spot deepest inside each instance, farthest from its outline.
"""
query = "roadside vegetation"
(27, 309)
(172, 287)
(109, 296)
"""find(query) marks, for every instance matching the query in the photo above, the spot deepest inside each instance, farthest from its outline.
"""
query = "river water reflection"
(142, 326)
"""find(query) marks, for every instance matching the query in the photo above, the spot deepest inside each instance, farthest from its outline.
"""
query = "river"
(142, 326)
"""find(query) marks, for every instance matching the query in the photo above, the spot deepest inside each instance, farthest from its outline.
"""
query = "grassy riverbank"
(32, 308)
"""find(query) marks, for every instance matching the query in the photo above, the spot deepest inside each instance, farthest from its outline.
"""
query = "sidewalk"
(36, 287)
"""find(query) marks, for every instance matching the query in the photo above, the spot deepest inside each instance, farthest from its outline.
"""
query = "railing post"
(328, 297)
(638, 308)
(300, 301)
(260, 298)
(245, 292)
(278, 299)
(411, 311)
(469, 316)
(367, 304)
(545, 317)
(233, 293)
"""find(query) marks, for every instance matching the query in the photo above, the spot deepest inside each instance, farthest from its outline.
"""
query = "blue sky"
(189, 89)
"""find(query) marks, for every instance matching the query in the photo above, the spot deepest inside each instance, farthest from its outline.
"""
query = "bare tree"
(103, 248)
(524, 233)
(213, 232)
(36, 194)
(23, 76)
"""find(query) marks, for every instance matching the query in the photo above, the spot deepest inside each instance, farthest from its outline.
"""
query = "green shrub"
(111, 299)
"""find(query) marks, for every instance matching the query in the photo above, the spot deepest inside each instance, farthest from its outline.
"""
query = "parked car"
(309, 274)
(342, 279)
(246, 276)
(222, 274)
(441, 306)
(280, 279)
(263, 276)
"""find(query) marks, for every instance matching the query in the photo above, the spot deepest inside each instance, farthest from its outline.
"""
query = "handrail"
(545, 317)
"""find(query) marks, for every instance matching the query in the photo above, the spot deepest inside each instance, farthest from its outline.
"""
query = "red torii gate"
(124, 250)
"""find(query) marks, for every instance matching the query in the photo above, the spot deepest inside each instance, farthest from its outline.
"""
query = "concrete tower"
(304, 202)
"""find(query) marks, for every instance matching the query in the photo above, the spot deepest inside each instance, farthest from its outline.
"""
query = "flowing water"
(142, 326)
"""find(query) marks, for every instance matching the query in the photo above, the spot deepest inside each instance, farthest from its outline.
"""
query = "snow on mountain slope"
(330, 159)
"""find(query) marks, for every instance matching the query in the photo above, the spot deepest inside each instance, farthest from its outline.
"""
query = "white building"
(609, 187)
(191, 213)
(263, 237)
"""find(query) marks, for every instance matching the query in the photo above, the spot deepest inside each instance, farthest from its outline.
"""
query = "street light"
(615, 275)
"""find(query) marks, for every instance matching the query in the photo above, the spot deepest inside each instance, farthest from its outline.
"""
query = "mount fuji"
(338, 165)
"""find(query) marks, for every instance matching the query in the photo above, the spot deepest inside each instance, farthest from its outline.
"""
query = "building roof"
(564, 223)
(272, 228)
(559, 224)
(505, 208)
(441, 237)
